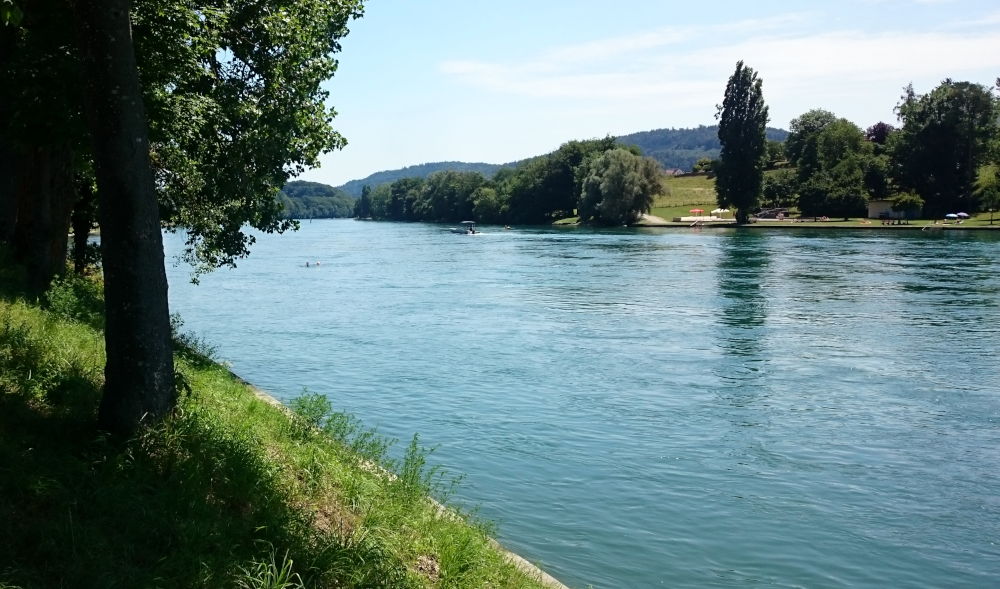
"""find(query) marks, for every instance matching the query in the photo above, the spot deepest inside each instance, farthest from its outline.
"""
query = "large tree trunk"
(83, 220)
(8, 198)
(139, 374)
(44, 195)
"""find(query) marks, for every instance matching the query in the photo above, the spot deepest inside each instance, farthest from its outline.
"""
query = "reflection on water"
(743, 265)
(658, 407)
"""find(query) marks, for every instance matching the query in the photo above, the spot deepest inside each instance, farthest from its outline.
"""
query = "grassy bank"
(230, 492)
(683, 193)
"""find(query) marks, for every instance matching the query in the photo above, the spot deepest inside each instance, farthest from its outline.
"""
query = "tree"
(381, 201)
(236, 107)
(801, 147)
(447, 196)
(877, 171)
(742, 124)
(703, 165)
(780, 189)
(990, 200)
(404, 199)
(231, 106)
(84, 219)
(42, 132)
(879, 133)
(363, 206)
(618, 187)
(232, 91)
(988, 184)
(945, 138)
(10, 14)
(835, 185)
(775, 153)
(489, 205)
(907, 204)
(548, 186)
(139, 373)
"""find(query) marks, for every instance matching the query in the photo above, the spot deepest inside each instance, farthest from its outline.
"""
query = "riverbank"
(232, 491)
(655, 221)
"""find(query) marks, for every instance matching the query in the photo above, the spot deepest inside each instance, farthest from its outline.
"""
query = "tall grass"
(231, 491)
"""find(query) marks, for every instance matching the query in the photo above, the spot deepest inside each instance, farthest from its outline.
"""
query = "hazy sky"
(435, 80)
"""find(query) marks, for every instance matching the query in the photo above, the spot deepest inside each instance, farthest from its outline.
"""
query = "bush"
(78, 298)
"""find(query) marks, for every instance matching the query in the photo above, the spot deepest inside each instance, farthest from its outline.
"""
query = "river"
(657, 407)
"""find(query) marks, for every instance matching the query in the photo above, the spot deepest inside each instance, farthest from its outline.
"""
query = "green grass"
(683, 193)
(232, 491)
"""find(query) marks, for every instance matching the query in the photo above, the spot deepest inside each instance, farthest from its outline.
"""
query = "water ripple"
(658, 408)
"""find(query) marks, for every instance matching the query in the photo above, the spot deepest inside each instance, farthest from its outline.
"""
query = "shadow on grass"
(187, 504)
(193, 502)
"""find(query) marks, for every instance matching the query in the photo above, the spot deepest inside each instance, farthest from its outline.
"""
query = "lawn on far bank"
(682, 194)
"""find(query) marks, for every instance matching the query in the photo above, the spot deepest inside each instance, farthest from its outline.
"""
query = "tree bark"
(83, 220)
(8, 198)
(43, 195)
(139, 374)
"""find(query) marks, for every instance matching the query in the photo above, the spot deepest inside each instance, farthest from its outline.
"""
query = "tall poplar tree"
(742, 124)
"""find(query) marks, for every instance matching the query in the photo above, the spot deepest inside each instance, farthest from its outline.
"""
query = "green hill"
(354, 187)
(673, 148)
(681, 148)
(313, 200)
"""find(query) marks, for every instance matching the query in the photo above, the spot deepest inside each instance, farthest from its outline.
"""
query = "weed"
(315, 414)
(270, 574)
(312, 409)
(190, 346)
(415, 480)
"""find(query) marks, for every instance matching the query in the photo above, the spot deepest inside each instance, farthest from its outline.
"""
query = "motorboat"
(467, 228)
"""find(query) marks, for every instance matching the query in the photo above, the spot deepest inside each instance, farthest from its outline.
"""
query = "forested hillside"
(673, 148)
(312, 200)
(681, 148)
(354, 187)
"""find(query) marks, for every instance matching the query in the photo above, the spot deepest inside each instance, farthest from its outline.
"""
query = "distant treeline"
(354, 187)
(672, 148)
(681, 149)
(312, 200)
(599, 179)
(943, 158)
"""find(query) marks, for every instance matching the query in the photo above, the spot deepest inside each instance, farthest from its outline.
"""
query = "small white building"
(881, 208)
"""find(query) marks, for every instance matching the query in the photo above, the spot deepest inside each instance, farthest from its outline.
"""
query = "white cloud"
(987, 20)
(676, 66)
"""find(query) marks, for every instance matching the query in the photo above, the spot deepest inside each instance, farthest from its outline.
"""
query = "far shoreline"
(825, 225)
(648, 220)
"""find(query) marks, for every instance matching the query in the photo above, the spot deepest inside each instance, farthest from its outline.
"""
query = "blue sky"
(434, 80)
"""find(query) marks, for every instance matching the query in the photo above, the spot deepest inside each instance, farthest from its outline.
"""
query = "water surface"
(647, 408)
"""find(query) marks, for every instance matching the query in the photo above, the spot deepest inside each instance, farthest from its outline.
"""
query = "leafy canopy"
(945, 138)
(618, 187)
(235, 103)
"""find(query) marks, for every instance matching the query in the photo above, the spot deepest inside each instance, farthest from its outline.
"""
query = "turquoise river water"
(658, 407)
